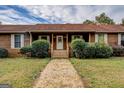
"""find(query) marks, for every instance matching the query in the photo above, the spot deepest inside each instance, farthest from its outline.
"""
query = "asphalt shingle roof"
(62, 28)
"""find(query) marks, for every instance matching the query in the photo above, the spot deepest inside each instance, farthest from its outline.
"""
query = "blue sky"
(57, 14)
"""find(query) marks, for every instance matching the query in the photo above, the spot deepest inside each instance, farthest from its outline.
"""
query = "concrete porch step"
(60, 54)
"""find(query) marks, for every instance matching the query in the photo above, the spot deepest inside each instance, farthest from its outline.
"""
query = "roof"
(62, 28)
(111, 28)
(65, 27)
(14, 28)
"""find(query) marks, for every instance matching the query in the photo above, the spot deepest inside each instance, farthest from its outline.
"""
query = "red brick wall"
(5, 42)
(113, 39)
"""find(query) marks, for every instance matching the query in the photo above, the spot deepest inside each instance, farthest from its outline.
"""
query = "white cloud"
(11, 16)
(60, 14)
(74, 14)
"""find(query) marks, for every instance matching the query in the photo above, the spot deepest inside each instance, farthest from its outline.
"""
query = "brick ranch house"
(13, 37)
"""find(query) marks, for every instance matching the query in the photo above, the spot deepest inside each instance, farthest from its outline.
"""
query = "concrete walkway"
(59, 73)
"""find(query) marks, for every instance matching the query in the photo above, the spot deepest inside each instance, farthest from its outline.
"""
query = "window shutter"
(39, 37)
(81, 37)
(106, 38)
(22, 40)
(96, 38)
(72, 37)
(12, 41)
(48, 38)
(119, 39)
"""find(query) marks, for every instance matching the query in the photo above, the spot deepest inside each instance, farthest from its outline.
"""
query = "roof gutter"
(12, 31)
(62, 30)
(95, 31)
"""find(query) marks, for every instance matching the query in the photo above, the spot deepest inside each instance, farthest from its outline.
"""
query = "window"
(100, 38)
(46, 37)
(59, 39)
(17, 40)
(43, 37)
(122, 39)
(76, 36)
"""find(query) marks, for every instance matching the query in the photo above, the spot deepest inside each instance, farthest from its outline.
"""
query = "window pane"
(59, 39)
(76, 37)
(17, 44)
(122, 39)
(100, 38)
(44, 37)
(17, 38)
(17, 41)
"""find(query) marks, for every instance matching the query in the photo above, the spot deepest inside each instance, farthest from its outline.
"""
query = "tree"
(122, 22)
(88, 22)
(104, 19)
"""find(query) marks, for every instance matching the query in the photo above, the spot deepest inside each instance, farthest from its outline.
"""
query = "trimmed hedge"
(3, 53)
(83, 50)
(118, 51)
(26, 49)
(89, 51)
(103, 51)
(78, 46)
(40, 48)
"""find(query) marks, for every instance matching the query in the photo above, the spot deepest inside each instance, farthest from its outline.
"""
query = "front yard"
(102, 73)
(20, 72)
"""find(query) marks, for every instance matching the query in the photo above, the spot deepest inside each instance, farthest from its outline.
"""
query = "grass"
(104, 73)
(20, 72)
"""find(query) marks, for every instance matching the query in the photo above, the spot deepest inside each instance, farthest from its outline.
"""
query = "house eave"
(62, 31)
(13, 31)
(109, 31)
(74, 31)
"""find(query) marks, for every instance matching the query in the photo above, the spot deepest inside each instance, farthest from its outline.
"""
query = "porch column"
(89, 37)
(67, 43)
(52, 46)
(30, 38)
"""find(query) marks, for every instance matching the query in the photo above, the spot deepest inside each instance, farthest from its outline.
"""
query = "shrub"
(103, 51)
(89, 51)
(3, 53)
(25, 49)
(40, 48)
(78, 46)
(118, 51)
(96, 50)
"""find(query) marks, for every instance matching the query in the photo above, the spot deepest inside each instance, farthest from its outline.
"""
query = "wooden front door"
(59, 42)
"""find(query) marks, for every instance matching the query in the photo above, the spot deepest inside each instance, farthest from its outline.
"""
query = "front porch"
(60, 42)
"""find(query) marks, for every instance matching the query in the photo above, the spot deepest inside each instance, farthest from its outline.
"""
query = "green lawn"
(101, 72)
(20, 72)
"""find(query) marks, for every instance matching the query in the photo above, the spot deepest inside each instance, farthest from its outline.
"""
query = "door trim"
(57, 42)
